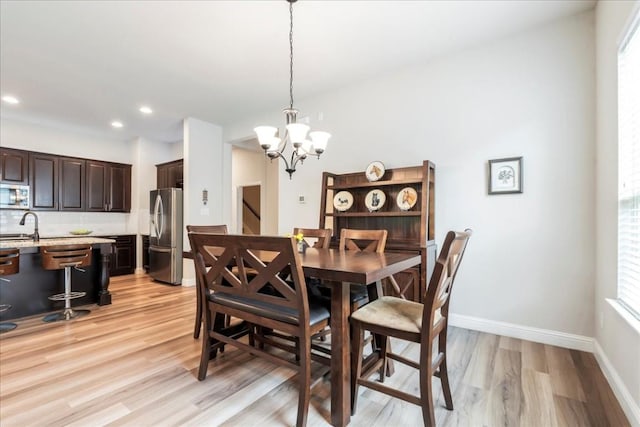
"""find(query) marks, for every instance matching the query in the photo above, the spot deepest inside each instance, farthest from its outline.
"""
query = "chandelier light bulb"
(319, 139)
(297, 133)
(265, 134)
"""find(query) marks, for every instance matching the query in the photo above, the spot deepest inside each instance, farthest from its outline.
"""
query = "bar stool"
(9, 264)
(66, 256)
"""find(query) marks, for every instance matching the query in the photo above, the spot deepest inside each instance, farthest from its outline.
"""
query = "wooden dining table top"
(348, 266)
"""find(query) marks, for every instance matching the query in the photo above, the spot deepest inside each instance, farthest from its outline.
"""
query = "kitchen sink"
(22, 236)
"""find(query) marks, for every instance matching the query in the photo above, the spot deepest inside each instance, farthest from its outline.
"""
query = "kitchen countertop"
(54, 241)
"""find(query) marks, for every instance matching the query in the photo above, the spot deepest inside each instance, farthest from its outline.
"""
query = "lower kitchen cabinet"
(145, 252)
(123, 258)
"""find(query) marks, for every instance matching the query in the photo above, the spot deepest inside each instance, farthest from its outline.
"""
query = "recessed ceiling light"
(145, 110)
(10, 99)
(117, 124)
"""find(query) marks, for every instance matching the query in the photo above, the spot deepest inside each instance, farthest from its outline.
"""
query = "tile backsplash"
(56, 224)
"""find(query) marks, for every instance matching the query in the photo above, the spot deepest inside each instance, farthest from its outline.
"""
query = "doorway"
(251, 218)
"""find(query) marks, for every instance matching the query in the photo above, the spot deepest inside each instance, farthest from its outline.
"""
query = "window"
(629, 169)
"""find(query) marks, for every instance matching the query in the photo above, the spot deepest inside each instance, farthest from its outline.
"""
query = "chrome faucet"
(35, 235)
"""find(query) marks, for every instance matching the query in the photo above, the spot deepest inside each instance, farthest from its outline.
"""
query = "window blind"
(629, 169)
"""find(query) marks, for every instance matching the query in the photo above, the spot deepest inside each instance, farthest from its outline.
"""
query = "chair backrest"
(323, 236)
(61, 256)
(363, 240)
(218, 229)
(438, 292)
(9, 261)
(250, 267)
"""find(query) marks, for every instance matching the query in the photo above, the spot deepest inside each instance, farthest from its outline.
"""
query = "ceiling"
(82, 65)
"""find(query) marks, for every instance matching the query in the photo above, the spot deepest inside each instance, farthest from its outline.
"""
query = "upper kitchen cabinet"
(72, 184)
(14, 166)
(170, 174)
(108, 187)
(44, 181)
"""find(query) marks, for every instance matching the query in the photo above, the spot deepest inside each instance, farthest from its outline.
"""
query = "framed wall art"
(505, 175)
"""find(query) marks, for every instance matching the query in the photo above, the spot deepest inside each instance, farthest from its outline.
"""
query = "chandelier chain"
(291, 55)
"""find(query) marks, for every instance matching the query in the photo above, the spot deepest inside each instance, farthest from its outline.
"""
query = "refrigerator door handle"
(155, 216)
(161, 210)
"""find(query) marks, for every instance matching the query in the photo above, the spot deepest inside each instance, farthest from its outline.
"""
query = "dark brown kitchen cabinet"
(123, 258)
(170, 174)
(72, 184)
(14, 166)
(145, 252)
(44, 181)
(108, 187)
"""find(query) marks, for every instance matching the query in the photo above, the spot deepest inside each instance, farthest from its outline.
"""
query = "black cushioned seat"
(317, 312)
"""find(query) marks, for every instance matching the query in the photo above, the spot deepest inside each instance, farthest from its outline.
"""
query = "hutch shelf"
(411, 230)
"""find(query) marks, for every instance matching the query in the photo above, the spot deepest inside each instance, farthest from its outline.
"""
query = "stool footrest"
(7, 326)
(5, 307)
(70, 295)
(67, 314)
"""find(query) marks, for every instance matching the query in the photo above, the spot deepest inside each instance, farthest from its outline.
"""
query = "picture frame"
(505, 175)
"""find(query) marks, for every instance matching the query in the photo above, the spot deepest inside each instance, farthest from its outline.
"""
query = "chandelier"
(295, 133)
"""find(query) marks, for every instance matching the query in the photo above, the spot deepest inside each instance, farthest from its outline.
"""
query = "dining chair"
(323, 236)
(365, 241)
(232, 292)
(415, 322)
(218, 229)
(352, 240)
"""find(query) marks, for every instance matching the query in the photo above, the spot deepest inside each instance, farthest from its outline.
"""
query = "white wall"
(531, 258)
(251, 168)
(207, 165)
(147, 154)
(48, 139)
(619, 341)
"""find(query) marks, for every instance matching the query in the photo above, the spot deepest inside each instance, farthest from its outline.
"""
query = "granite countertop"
(53, 241)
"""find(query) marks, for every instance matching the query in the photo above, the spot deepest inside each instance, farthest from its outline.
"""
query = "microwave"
(14, 196)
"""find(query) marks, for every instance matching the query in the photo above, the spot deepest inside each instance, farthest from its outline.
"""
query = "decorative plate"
(374, 171)
(342, 201)
(80, 232)
(374, 200)
(407, 198)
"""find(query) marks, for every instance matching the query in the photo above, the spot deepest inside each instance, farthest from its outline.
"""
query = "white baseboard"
(189, 282)
(629, 406)
(545, 336)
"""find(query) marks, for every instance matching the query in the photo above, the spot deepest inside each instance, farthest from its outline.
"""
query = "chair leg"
(198, 323)
(207, 342)
(304, 394)
(357, 347)
(384, 343)
(444, 374)
(204, 356)
(426, 386)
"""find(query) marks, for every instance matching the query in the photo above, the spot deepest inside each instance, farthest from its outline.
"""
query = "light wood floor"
(134, 363)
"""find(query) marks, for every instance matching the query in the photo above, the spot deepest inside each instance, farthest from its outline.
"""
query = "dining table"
(341, 269)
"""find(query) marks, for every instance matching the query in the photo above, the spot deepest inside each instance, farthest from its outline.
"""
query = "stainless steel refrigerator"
(165, 236)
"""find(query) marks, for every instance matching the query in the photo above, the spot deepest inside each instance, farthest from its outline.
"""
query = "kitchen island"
(28, 291)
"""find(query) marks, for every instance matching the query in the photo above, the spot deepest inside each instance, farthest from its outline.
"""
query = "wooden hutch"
(411, 230)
